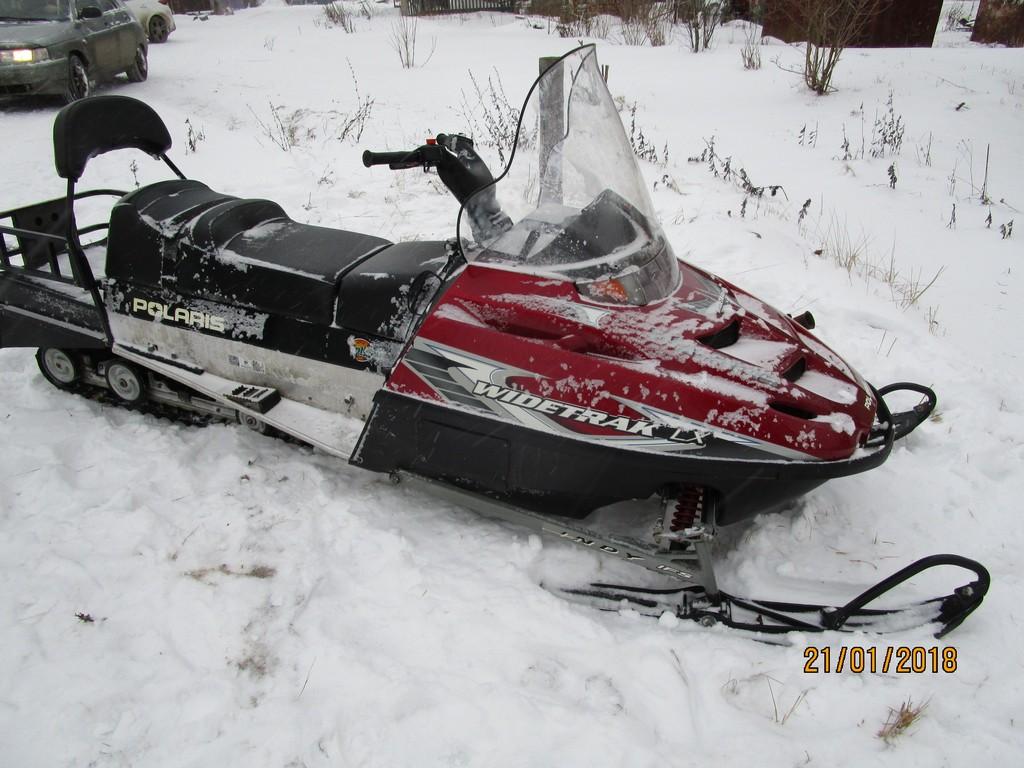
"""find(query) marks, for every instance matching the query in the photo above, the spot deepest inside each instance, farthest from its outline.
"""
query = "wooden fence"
(430, 7)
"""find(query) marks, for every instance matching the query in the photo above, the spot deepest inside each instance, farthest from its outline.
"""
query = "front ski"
(698, 597)
(772, 617)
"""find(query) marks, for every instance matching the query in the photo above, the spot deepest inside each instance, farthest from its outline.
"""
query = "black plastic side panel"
(551, 474)
(20, 330)
(45, 298)
(259, 329)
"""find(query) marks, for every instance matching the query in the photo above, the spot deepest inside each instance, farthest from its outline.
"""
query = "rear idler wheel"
(127, 382)
(60, 367)
(249, 421)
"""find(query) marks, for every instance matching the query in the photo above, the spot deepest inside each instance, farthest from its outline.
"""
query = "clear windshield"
(572, 203)
(33, 10)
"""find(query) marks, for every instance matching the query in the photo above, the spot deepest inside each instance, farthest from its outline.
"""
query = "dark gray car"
(64, 46)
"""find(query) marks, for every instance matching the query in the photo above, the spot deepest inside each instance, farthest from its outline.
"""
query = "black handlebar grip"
(383, 158)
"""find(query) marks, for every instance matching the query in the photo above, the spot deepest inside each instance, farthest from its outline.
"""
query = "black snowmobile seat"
(249, 252)
(182, 235)
(144, 221)
(380, 295)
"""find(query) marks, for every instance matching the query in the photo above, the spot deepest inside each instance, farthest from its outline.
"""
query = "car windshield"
(33, 10)
(572, 202)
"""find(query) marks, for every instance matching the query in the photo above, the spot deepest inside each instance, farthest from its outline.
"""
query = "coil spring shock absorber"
(684, 510)
(688, 509)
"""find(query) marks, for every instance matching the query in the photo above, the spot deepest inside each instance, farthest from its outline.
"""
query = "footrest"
(259, 399)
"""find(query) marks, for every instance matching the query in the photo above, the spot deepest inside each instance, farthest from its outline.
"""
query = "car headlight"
(24, 55)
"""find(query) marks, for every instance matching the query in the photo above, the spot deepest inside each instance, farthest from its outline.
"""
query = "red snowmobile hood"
(710, 357)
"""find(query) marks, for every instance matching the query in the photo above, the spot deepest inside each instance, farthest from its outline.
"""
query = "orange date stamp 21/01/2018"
(902, 659)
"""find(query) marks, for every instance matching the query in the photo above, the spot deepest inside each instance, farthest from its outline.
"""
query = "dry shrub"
(701, 18)
(900, 720)
(828, 27)
(642, 21)
(337, 15)
(576, 18)
(403, 41)
(750, 53)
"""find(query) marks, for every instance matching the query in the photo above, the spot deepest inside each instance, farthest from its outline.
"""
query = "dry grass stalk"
(900, 720)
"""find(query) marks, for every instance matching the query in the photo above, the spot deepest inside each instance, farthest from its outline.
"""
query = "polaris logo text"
(182, 315)
(585, 415)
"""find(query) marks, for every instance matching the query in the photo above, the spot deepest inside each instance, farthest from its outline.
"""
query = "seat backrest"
(99, 124)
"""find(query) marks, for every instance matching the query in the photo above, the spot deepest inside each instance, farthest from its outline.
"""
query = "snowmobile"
(553, 359)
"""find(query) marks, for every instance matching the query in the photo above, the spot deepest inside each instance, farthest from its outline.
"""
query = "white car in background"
(154, 16)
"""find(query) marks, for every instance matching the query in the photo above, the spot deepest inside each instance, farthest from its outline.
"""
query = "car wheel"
(158, 30)
(139, 69)
(77, 86)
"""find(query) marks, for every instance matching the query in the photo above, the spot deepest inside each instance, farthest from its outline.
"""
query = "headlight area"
(24, 56)
(638, 285)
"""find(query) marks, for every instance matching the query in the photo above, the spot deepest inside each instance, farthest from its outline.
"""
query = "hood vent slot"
(723, 338)
(791, 410)
(796, 370)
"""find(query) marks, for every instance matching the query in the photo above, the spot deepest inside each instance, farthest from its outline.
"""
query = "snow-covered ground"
(258, 603)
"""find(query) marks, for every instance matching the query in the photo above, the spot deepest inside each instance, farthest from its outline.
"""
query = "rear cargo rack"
(33, 238)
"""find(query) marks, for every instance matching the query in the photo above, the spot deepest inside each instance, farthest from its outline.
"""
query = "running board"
(331, 432)
(692, 567)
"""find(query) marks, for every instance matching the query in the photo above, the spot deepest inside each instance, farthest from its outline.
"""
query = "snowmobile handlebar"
(398, 161)
(461, 169)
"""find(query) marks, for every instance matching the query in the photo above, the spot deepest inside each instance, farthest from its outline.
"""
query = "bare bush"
(954, 13)
(287, 129)
(492, 119)
(403, 41)
(643, 147)
(643, 21)
(192, 138)
(750, 53)
(633, 16)
(887, 135)
(658, 19)
(576, 18)
(350, 125)
(601, 27)
(337, 15)
(284, 129)
(701, 18)
(829, 26)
